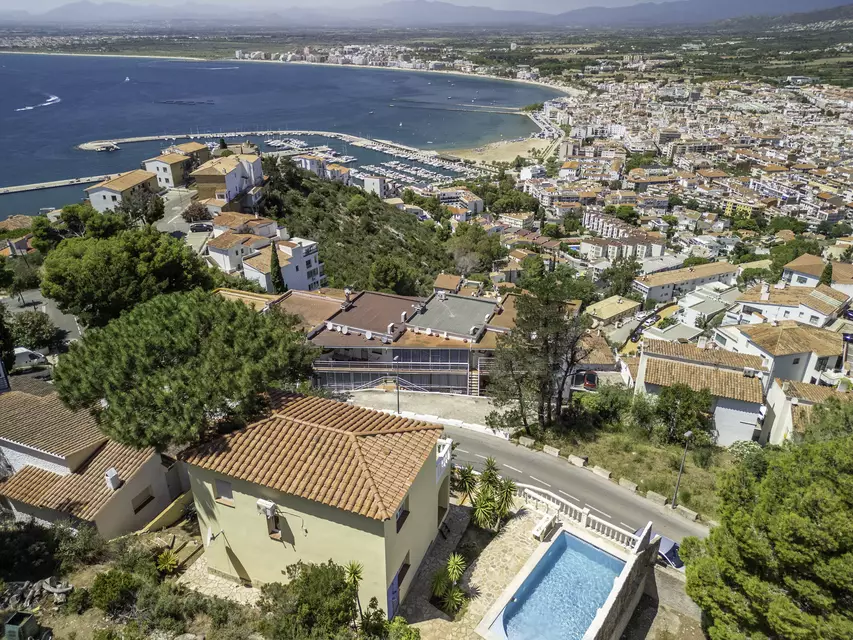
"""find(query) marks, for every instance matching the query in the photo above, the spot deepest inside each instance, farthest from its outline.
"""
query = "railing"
(484, 365)
(548, 502)
(386, 366)
(442, 457)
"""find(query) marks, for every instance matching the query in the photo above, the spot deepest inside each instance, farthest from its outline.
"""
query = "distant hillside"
(844, 12)
(421, 13)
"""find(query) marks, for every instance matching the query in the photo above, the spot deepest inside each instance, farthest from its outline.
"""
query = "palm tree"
(505, 497)
(354, 574)
(467, 482)
(490, 477)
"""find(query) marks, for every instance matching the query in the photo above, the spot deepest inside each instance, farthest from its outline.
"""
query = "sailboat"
(127, 79)
(401, 124)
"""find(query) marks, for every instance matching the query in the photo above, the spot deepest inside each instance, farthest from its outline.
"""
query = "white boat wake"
(50, 101)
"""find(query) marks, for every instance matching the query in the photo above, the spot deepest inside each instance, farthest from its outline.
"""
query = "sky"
(549, 6)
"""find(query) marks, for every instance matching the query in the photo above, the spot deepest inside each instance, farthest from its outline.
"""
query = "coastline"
(560, 89)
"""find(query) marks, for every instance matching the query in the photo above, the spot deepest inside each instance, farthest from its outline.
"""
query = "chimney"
(402, 316)
(112, 479)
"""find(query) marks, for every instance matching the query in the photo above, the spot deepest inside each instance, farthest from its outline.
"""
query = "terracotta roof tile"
(720, 382)
(330, 452)
(44, 423)
(807, 263)
(692, 353)
(822, 299)
(789, 337)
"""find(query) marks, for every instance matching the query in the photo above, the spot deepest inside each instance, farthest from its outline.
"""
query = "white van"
(26, 357)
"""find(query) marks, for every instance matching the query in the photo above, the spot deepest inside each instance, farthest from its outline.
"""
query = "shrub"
(703, 457)
(86, 546)
(132, 557)
(114, 591)
(105, 634)
(167, 562)
(79, 601)
(742, 449)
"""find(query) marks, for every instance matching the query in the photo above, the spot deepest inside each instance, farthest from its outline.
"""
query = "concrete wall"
(18, 457)
(312, 532)
(117, 516)
(734, 420)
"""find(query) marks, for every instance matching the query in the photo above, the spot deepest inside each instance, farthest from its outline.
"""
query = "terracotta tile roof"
(800, 417)
(83, 493)
(633, 364)
(692, 353)
(807, 263)
(598, 351)
(171, 158)
(789, 337)
(815, 393)
(45, 424)
(229, 239)
(330, 452)
(234, 220)
(224, 165)
(191, 147)
(125, 181)
(720, 382)
(16, 222)
(842, 273)
(689, 273)
(262, 261)
(822, 298)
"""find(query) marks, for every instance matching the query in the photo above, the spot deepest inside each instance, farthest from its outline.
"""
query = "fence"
(548, 501)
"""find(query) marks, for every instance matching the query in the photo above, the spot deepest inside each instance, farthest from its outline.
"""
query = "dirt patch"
(653, 621)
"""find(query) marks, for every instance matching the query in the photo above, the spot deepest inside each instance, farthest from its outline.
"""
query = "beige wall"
(311, 532)
(117, 517)
(418, 531)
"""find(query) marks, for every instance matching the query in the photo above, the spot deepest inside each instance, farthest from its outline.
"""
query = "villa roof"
(354, 459)
(822, 298)
(790, 337)
(45, 424)
(223, 165)
(262, 261)
(230, 239)
(814, 393)
(692, 353)
(171, 158)
(191, 147)
(124, 181)
(808, 264)
(447, 281)
(686, 274)
(722, 383)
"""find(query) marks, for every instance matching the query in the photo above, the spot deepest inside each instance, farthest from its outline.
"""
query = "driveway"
(604, 498)
(175, 201)
(35, 301)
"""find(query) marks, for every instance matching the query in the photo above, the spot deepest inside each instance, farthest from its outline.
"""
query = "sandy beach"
(500, 151)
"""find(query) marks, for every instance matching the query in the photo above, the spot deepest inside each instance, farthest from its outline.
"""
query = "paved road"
(175, 201)
(35, 301)
(605, 499)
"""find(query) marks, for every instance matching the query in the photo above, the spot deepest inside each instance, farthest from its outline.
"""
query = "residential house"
(789, 406)
(230, 183)
(666, 285)
(318, 480)
(791, 350)
(817, 306)
(339, 173)
(198, 152)
(171, 169)
(614, 308)
(706, 302)
(109, 194)
(61, 467)
(228, 250)
(804, 271)
(299, 262)
(733, 379)
(447, 282)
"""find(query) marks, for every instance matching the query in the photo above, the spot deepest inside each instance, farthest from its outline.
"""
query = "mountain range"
(418, 13)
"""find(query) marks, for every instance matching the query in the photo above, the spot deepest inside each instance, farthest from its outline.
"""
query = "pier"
(36, 186)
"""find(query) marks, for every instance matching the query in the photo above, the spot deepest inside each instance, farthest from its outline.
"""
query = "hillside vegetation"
(364, 243)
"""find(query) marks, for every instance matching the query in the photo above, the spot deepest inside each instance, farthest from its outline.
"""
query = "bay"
(50, 104)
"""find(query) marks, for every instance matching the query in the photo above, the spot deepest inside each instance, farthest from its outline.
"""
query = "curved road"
(604, 498)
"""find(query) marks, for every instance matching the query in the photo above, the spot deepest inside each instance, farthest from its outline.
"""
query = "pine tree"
(278, 285)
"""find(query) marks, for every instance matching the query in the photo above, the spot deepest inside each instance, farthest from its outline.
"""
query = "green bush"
(105, 634)
(114, 591)
(86, 546)
(167, 562)
(79, 601)
(703, 457)
(132, 557)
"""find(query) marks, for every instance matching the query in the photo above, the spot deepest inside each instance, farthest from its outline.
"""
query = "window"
(403, 570)
(308, 264)
(821, 364)
(224, 495)
(139, 502)
(786, 314)
(801, 280)
(274, 527)
(796, 361)
(115, 198)
(402, 513)
(297, 268)
(814, 319)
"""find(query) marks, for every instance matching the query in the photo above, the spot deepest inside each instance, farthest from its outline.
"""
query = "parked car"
(636, 337)
(201, 227)
(667, 552)
(26, 357)
(590, 380)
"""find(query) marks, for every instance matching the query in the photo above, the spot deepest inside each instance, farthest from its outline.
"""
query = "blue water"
(50, 104)
(560, 597)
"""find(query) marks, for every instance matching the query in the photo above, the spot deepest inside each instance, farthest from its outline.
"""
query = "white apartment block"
(667, 285)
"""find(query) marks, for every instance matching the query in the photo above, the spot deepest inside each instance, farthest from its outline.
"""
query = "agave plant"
(453, 600)
(440, 583)
(490, 477)
(484, 512)
(167, 562)
(467, 482)
(455, 567)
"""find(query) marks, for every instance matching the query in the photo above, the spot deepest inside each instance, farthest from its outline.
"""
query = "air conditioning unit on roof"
(265, 508)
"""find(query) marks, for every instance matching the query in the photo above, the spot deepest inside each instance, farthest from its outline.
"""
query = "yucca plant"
(483, 512)
(354, 573)
(505, 497)
(453, 600)
(167, 562)
(467, 483)
(455, 567)
(489, 477)
(440, 583)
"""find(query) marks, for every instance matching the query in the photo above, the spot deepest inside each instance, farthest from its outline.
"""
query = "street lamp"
(397, 381)
(687, 436)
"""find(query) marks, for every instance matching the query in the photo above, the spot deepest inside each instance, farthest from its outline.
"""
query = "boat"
(127, 79)
(371, 113)
(449, 97)
(401, 124)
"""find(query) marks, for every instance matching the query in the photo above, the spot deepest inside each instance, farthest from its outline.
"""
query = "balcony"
(442, 458)
(390, 367)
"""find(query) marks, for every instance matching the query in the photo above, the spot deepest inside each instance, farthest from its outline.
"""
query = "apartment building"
(462, 198)
(322, 480)
(109, 194)
(733, 379)
(606, 225)
(817, 306)
(198, 152)
(230, 184)
(298, 260)
(172, 169)
(517, 220)
(789, 406)
(375, 184)
(638, 246)
(666, 285)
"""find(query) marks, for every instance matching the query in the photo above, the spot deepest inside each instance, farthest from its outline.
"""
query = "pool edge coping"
(483, 629)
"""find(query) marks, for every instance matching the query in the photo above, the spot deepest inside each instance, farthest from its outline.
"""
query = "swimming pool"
(560, 597)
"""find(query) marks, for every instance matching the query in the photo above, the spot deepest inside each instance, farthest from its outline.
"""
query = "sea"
(49, 104)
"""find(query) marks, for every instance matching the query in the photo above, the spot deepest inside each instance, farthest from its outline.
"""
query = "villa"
(109, 194)
(317, 480)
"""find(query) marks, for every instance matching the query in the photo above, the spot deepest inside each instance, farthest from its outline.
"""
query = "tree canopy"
(7, 342)
(97, 279)
(780, 564)
(32, 329)
(473, 249)
(175, 367)
(681, 409)
(619, 276)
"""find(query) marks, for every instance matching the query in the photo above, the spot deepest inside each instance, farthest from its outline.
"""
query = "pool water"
(560, 597)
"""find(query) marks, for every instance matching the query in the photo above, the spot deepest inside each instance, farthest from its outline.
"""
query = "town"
(593, 383)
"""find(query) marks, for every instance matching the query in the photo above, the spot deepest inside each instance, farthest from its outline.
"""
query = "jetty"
(36, 186)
